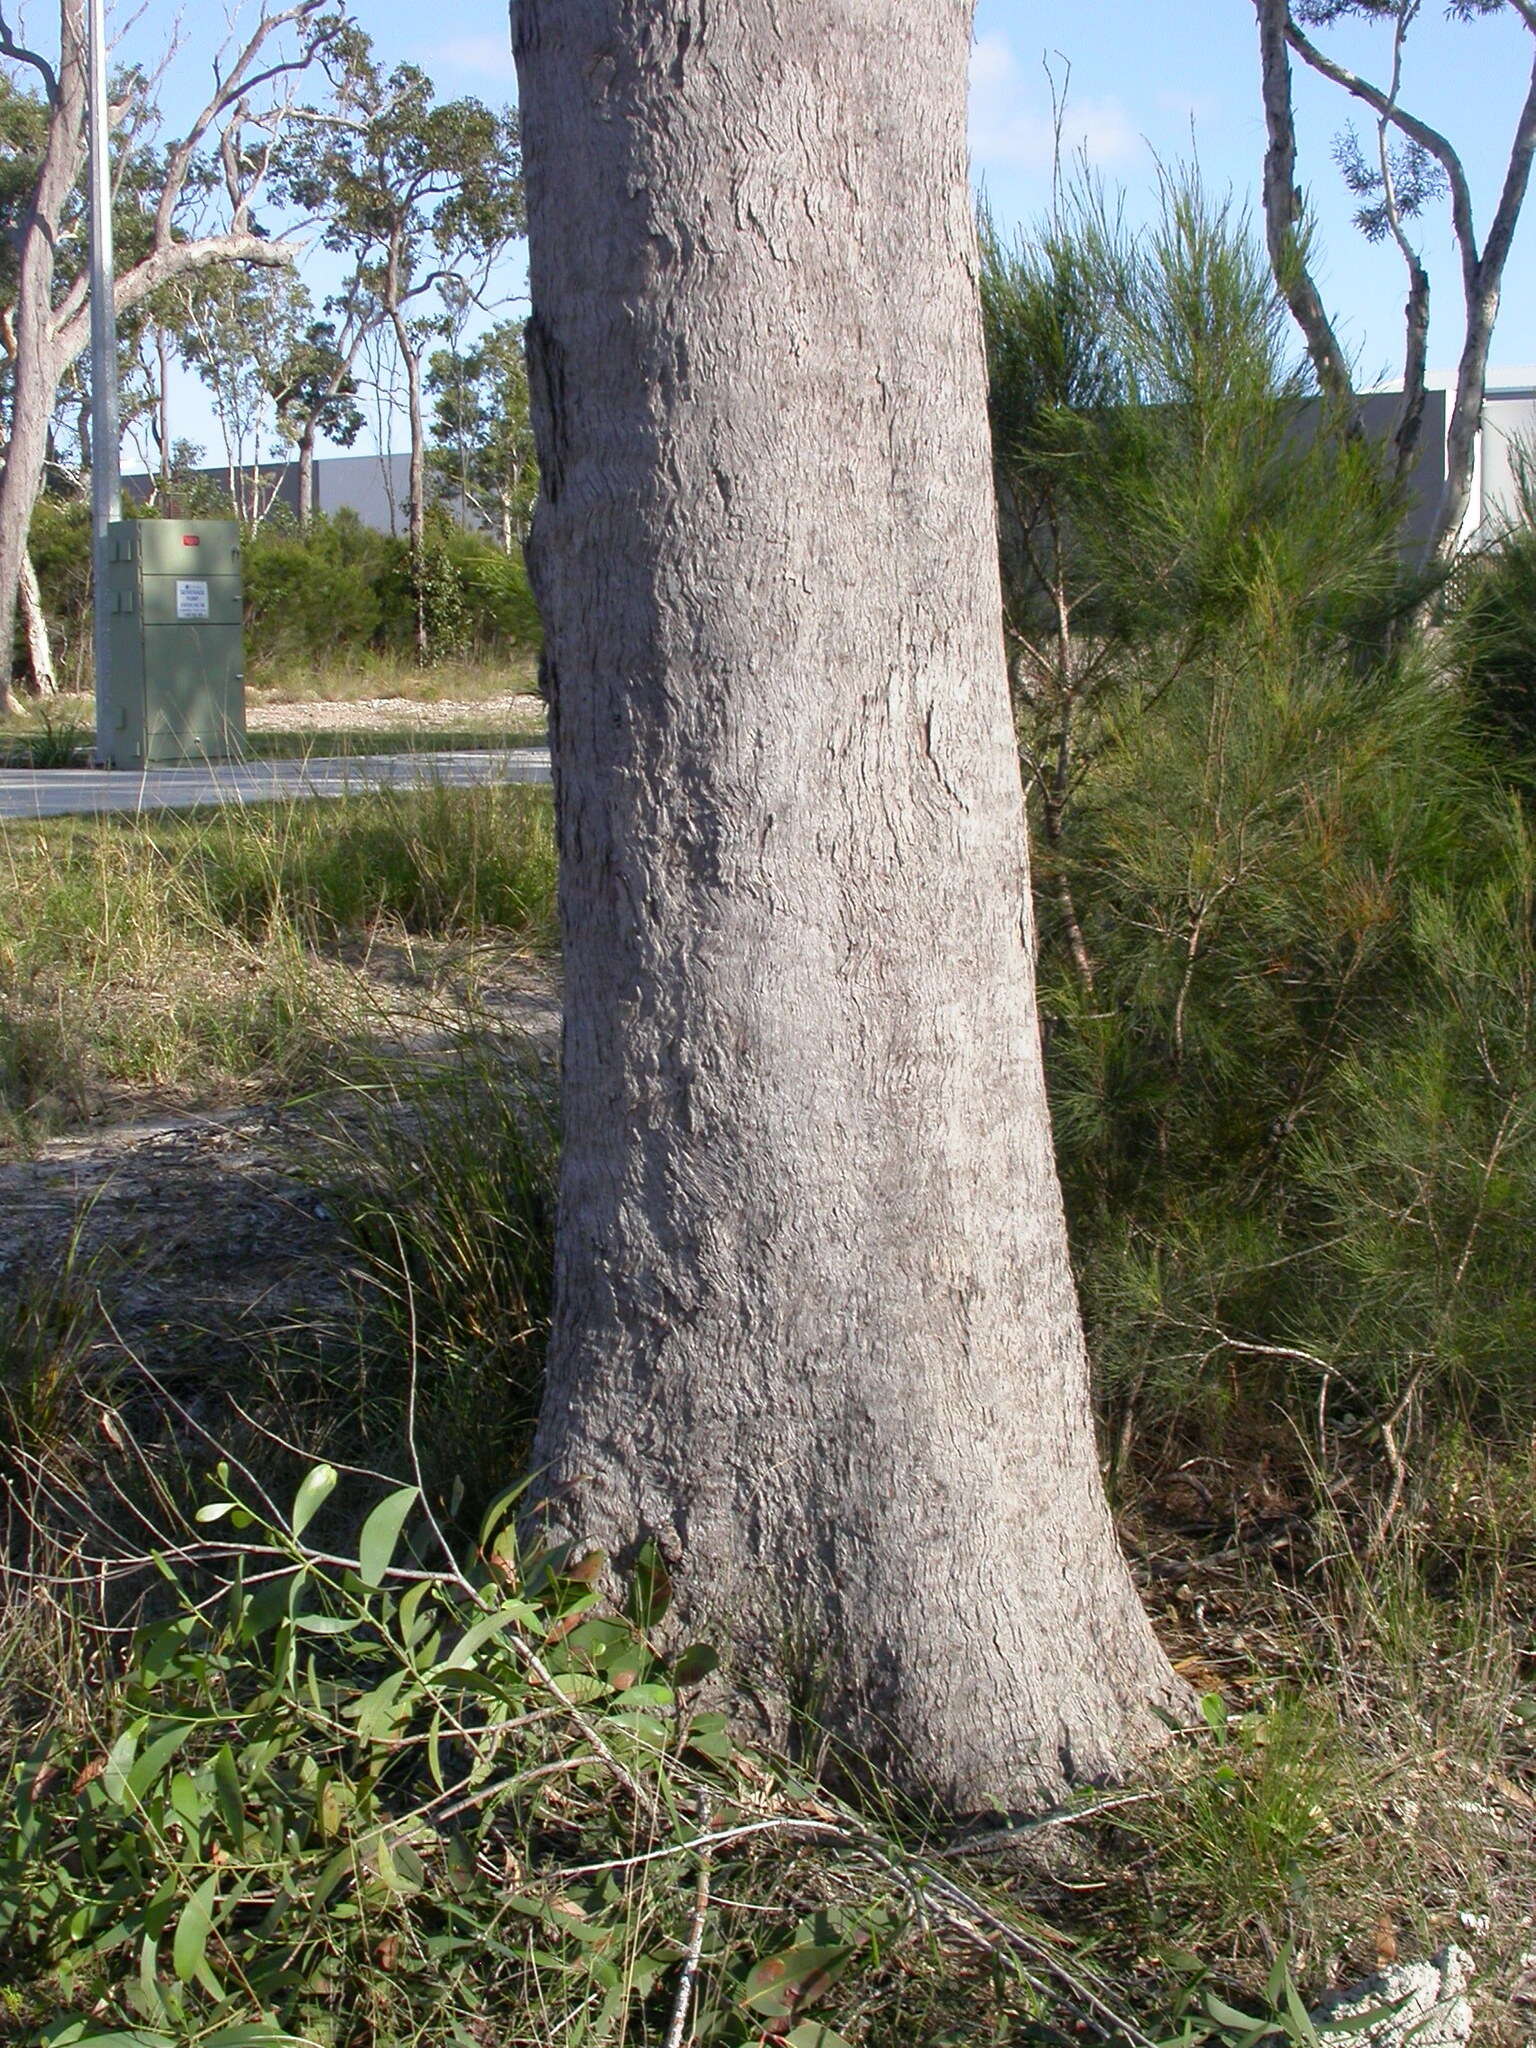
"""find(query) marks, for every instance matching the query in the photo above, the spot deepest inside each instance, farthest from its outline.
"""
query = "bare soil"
(516, 710)
(512, 711)
(195, 1227)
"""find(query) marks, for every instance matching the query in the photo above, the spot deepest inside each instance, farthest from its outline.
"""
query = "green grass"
(48, 736)
(203, 952)
(443, 1181)
(302, 743)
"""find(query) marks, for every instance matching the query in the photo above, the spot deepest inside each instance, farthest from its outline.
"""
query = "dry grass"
(199, 958)
(401, 682)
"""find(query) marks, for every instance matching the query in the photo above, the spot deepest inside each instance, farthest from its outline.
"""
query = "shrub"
(1493, 643)
(313, 597)
(1296, 1107)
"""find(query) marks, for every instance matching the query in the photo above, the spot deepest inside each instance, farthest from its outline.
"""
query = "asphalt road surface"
(55, 792)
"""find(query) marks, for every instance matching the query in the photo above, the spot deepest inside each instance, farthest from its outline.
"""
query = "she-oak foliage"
(1287, 966)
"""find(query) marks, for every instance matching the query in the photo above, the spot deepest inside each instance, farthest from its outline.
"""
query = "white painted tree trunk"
(816, 1332)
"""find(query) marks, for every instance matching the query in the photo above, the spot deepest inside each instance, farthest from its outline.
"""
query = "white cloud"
(486, 57)
(1012, 126)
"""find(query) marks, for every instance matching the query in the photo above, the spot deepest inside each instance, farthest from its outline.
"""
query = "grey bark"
(816, 1331)
(1282, 211)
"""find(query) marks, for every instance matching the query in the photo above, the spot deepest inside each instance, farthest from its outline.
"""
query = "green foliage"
(340, 589)
(334, 595)
(1285, 911)
(343, 1786)
(312, 597)
(1492, 635)
(1153, 467)
(1296, 1110)
(483, 451)
(60, 544)
(1161, 490)
(445, 1189)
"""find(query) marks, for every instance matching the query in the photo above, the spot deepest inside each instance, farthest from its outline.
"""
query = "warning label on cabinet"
(191, 600)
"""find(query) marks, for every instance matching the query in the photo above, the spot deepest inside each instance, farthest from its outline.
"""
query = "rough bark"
(816, 1332)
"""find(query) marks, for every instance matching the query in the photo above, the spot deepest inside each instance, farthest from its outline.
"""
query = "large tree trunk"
(816, 1331)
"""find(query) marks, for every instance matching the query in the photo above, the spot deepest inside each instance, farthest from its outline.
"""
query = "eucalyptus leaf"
(381, 1533)
(189, 1949)
(315, 1488)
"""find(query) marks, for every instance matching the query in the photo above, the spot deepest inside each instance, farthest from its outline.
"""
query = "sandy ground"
(196, 1230)
(513, 712)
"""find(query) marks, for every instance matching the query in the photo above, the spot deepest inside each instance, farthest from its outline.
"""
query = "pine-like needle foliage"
(1285, 903)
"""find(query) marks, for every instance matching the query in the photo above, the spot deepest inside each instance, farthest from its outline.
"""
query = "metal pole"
(106, 502)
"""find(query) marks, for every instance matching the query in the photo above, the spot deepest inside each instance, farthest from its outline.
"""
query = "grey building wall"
(376, 487)
(1509, 425)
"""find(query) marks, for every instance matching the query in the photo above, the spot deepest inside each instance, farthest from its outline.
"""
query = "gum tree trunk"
(816, 1332)
(42, 681)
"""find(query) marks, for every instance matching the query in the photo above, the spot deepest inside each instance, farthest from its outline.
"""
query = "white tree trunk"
(816, 1331)
(41, 679)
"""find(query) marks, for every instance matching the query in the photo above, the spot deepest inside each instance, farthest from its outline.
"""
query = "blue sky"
(1147, 80)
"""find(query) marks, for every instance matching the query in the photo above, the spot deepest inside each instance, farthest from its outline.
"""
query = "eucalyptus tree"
(206, 181)
(816, 1337)
(1403, 166)
(483, 439)
(314, 388)
(416, 194)
(238, 331)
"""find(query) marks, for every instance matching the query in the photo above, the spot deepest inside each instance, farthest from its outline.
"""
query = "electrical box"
(175, 685)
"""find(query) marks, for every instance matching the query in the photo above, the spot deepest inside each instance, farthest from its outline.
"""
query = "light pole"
(106, 503)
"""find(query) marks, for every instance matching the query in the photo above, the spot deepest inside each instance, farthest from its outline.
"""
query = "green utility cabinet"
(175, 685)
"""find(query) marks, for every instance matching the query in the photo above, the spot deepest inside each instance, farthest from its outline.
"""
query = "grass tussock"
(445, 1189)
(200, 955)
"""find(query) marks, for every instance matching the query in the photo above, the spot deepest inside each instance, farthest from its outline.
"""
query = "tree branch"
(1516, 179)
(1438, 146)
(1410, 417)
(19, 54)
(1282, 210)
(163, 265)
(228, 91)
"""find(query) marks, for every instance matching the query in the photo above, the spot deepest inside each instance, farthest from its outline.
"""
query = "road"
(57, 792)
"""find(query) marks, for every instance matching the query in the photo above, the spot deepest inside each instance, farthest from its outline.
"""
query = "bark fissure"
(816, 1332)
